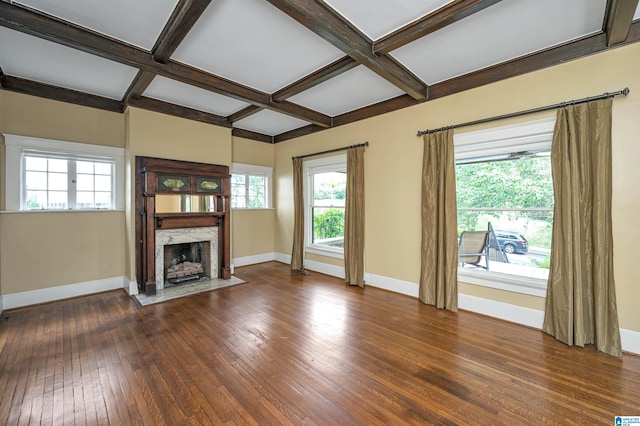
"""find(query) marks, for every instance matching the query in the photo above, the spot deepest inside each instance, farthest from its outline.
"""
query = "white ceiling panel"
(137, 22)
(270, 123)
(377, 18)
(253, 43)
(501, 32)
(46, 62)
(350, 90)
(178, 93)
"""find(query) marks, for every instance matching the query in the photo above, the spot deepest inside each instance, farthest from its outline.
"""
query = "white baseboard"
(314, 265)
(283, 258)
(251, 260)
(630, 340)
(131, 287)
(505, 311)
(492, 308)
(392, 284)
(34, 297)
(1, 305)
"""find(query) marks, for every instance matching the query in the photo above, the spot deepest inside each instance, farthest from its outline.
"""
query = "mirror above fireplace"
(185, 203)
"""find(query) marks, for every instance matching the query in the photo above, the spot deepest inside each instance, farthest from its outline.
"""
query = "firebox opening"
(186, 262)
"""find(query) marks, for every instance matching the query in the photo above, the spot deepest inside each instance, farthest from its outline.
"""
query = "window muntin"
(503, 177)
(250, 186)
(326, 181)
(53, 182)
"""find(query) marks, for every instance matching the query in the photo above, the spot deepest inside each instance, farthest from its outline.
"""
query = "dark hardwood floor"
(290, 349)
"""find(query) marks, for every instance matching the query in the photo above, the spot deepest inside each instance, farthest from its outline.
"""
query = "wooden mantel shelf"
(188, 220)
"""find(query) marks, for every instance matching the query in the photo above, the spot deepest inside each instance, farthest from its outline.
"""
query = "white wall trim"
(34, 297)
(392, 284)
(131, 287)
(251, 260)
(15, 144)
(630, 341)
(492, 308)
(283, 258)
(1, 305)
(505, 311)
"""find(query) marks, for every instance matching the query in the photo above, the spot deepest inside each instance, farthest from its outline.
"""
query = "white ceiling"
(120, 19)
(377, 18)
(256, 45)
(351, 90)
(172, 91)
(270, 123)
(251, 42)
(46, 62)
(506, 30)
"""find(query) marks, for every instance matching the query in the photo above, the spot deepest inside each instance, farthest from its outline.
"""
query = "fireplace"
(201, 232)
(185, 262)
(193, 245)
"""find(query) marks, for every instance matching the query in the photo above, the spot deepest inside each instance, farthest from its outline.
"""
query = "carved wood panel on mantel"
(158, 177)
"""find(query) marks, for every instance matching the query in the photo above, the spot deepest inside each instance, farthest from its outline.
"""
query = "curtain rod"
(624, 92)
(332, 150)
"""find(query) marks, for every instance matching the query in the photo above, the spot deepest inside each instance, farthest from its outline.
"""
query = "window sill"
(324, 252)
(513, 283)
(62, 211)
(243, 209)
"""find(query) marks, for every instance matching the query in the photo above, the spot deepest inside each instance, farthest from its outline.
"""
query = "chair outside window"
(472, 248)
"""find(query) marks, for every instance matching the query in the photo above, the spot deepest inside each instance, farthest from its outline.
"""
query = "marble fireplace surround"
(181, 236)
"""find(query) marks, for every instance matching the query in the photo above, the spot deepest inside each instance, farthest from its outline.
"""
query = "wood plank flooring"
(290, 349)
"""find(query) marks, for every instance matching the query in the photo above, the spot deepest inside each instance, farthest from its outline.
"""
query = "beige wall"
(48, 249)
(153, 134)
(393, 166)
(252, 231)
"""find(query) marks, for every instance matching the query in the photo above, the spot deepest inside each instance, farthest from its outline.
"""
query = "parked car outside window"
(512, 242)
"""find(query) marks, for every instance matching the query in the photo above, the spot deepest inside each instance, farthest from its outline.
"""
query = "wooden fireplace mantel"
(162, 176)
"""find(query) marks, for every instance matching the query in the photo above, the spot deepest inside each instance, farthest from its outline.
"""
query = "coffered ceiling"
(276, 69)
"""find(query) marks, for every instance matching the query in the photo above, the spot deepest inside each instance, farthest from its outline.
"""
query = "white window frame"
(253, 170)
(325, 164)
(492, 144)
(16, 146)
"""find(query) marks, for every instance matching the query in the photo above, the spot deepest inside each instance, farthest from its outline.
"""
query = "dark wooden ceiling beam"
(184, 16)
(296, 133)
(248, 134)
(179, 111)
(244, 113)
(323, 21)
(48, 91)
(137, 87)
(617, 20)
(432, 22)
(320, 76)
(67, 34)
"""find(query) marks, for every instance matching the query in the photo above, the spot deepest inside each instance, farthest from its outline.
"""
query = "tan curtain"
(581, 299)
(354, 218)
(297, 253)
(439, 272)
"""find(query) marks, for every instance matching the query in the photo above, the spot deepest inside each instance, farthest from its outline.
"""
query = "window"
(503, 183)
(250, 186)
(326, 183)
(45, 174)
